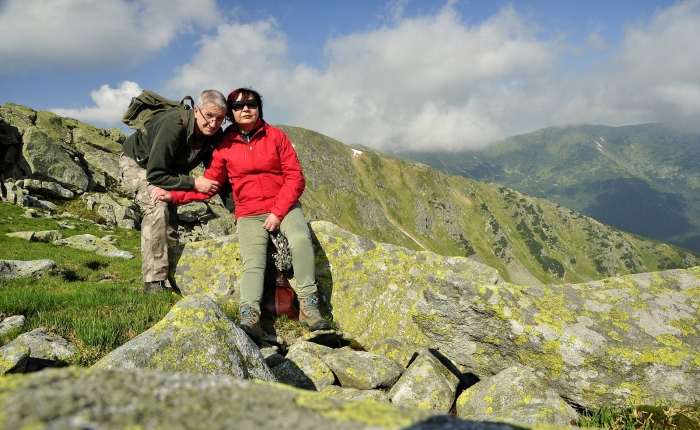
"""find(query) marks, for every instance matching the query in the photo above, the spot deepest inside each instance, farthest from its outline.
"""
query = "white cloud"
(110, 104)
(78, 34)
(434, 81)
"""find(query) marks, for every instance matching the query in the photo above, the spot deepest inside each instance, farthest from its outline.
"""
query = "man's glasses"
(209, 118)
(251, 104)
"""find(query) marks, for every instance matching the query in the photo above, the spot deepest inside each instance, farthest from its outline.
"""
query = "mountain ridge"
(640, 178)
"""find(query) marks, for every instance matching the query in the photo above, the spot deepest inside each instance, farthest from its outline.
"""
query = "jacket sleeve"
(294, 182)
(168, 138)
(216, 171)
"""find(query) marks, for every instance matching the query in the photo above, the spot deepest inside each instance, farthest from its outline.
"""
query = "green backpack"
(147, 104)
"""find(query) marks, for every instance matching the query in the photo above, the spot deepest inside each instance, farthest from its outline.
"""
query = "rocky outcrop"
(99, 398)
(627, 339)
(195, 336)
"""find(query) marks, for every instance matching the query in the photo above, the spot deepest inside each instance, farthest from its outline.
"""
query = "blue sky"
(400, 74)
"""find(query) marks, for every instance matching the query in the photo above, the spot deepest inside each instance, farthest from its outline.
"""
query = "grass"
(94, 301)
(645, 417)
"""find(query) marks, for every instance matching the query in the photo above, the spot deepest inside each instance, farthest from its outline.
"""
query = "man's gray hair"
(211, 97)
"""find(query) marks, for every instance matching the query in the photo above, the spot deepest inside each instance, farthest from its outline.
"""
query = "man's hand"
(206, 186)
(272, 223)
(161, 194)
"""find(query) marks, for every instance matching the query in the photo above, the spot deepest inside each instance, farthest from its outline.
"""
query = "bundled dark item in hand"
(278, 298)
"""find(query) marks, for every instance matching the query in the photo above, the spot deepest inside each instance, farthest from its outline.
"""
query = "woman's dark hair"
(247, 92)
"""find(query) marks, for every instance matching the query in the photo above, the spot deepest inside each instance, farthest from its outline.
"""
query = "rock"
(196, 337)
(46, 236)
(353, 394)
(43, 158)
(11, 323)
(99, 398)
(13, 359)
(427, 383)
(307, 356)
(621, 340)
(192, 212)
(362, 370)
(46, 349)
(91, 243)
(14, 269)
(514, 395)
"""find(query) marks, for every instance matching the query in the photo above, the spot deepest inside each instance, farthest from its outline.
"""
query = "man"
(162, 154)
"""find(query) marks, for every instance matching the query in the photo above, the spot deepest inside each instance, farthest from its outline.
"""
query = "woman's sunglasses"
(249, 104)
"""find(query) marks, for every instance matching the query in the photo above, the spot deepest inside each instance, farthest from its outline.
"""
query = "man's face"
(209, 119)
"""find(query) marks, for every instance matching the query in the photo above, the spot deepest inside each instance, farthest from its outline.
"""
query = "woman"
(267, 180)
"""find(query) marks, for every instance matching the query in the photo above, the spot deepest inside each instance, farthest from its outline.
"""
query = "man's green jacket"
(163, 149)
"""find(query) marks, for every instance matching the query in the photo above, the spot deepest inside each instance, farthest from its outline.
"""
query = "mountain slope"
(410, 204)
(642, 179)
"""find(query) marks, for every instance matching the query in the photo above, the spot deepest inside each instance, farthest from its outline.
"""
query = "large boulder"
(137, 398)
(632, 339)
(196, 337)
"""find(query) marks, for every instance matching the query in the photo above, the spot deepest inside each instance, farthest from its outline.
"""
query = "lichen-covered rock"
(307, 357)
(196, 337)
(632, 339)
(362, 370)
(210, 267)
(13, 359)
(353, 394)
(373, 287)
(45, 349)
(43, 158)
(427, 383)
(11, 323)
(91, 243)
(94, 398)
(514, 395)
(192, 212)
(46, 236)
(15, 269)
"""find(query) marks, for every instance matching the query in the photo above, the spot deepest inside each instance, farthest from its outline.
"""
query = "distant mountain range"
(643, 179)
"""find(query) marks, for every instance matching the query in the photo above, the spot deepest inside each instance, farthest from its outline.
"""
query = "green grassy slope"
(398, 201)
(642, 179)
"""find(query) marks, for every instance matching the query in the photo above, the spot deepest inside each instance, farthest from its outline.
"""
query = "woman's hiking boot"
(310, 315)
(250, 322)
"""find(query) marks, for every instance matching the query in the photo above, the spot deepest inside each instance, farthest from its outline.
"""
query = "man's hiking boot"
(310, 315)
(154, 287)
(250, 322)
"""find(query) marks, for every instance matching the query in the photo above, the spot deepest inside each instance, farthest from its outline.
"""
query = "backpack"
(147, 104)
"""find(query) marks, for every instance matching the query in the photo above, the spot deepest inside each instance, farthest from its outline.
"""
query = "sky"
(390, 75)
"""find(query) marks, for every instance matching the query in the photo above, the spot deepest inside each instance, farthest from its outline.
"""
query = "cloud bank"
(434, 81)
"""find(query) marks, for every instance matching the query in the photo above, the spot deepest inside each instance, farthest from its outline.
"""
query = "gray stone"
(514, 395)
(307, 357)
(46, 349)
(362, 370)
(15, 269)
(427, 383)
(13, 359)
(11, 323)
(197, 337)
(93, 398)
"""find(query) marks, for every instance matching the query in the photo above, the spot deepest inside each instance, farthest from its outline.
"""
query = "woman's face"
(245, 112)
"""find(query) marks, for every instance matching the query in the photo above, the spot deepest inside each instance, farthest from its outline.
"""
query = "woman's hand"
(161, 194)
(272, 223)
